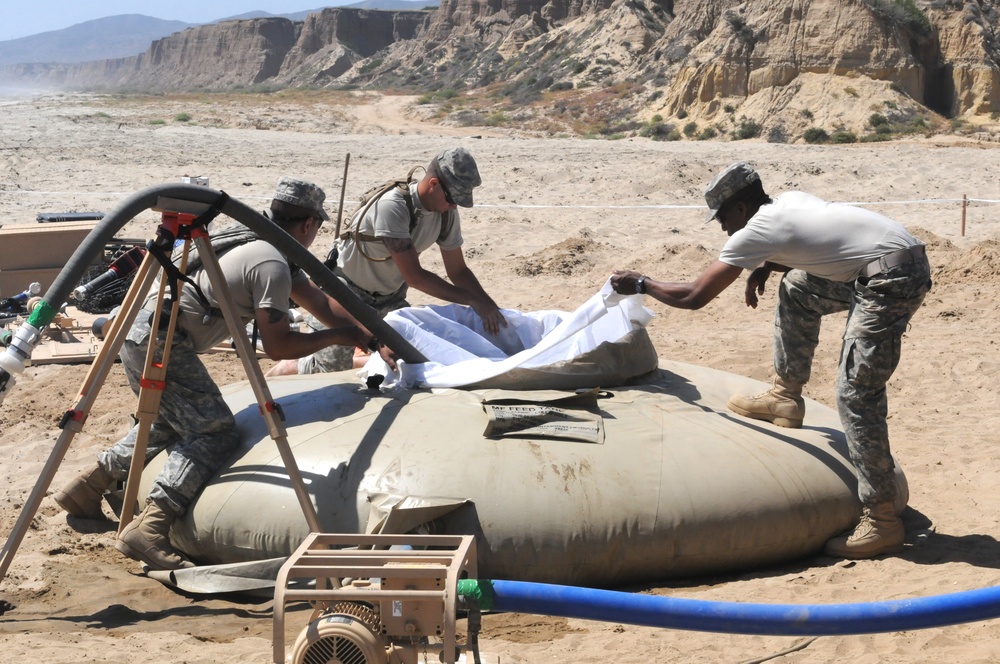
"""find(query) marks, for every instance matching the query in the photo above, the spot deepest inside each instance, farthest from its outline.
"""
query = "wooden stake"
(965, 204)
(343, 185)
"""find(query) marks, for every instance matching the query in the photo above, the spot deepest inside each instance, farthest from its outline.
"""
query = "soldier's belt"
(900, 257)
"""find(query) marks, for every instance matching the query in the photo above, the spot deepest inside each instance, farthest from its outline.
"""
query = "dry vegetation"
(537, 107)
(277, 110)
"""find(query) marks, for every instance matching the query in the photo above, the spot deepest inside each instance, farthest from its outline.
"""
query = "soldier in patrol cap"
(194, 424)
(834, 258)
(299, 197)
(379, 256)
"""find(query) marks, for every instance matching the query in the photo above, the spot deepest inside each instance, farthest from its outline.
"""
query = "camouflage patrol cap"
(303, 194)
(727, 184)
(460, 173)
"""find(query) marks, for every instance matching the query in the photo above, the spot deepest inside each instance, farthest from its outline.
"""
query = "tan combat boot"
(782, 404)
(147, 539)
(879, 531)
(82, 496)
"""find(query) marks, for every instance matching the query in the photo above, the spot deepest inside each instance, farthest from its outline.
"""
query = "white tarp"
(460, 353)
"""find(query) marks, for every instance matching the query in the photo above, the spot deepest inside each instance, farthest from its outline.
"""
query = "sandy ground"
(554, 217)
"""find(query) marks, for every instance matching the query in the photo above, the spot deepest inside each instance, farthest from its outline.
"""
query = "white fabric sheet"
(459, 352)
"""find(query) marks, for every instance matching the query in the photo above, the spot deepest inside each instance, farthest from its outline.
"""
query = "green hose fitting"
(479, 591)
(42, 315)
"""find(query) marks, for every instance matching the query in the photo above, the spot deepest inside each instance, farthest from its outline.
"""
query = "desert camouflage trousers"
(880, 307)
(194, 424)
(341, 358)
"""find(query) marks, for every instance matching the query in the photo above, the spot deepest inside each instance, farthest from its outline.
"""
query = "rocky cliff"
(240, 54)
(771, 65)
(780, 65)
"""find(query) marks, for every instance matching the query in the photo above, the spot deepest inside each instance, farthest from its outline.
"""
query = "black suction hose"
(92, 249)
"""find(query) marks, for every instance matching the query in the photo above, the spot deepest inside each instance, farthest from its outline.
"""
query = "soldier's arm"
(691, 295)
(462, 276)
(281, 342)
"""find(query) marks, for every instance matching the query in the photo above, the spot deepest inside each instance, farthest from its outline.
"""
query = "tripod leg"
(75, 418)
(151, 386)
(248, 355)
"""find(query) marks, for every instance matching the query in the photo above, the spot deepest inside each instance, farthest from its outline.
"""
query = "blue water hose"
(733, 617)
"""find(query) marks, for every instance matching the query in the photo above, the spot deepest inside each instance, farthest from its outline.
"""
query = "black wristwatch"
(640, 285)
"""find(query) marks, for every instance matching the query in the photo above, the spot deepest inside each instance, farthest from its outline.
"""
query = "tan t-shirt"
(258, 277)
(389, 218)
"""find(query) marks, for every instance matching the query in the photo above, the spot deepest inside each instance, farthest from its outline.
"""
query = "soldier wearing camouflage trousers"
(194, 425)
(835, 258)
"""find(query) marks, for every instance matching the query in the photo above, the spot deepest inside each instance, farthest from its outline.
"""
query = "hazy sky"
(21, 18)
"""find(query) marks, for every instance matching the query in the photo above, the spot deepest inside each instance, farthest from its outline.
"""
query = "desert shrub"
(901, 13)
(656, 94)
(496, 119)
(660, 131)
(621, 128)
(806, 113)
(777, 134)
(157, 122)
(735, 20)
(739, 26)
(542, 82)
(876, 138)
(559, 86)
(876, 120)
(182, 117)
(729, 108)
(681, 114)
(690, 129)
(522, 95)
(707, 133)
(747, 129)
(843, 137)
(370, 66)
(851, 91)
(816, 135)
(438, 96)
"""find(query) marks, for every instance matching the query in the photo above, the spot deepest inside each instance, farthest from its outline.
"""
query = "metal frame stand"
(413, 587)
(174, 225)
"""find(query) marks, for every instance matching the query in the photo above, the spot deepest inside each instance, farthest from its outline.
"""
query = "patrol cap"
(727, 184)
(303, 194)
(460, 174)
